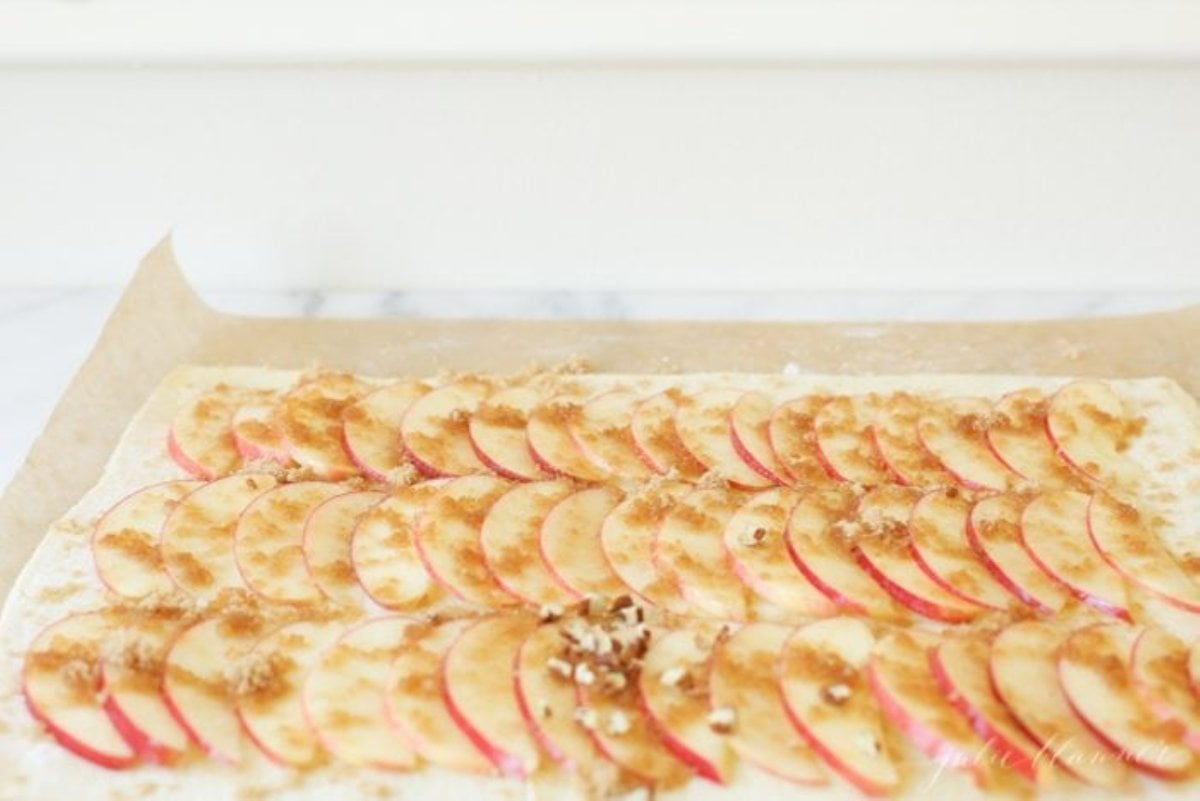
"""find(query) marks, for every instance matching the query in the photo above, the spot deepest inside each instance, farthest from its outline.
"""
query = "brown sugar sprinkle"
(78, 663)
(973, 425)
(405, 475)
(649, 505)
(60, 593)
(262, 677)
(1023, 414)
(470, 511)
(563, 412)
(135, 545)
(191, 570)
(501, 415)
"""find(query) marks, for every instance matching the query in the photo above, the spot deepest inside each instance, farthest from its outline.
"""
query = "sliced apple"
(1129, 543)
(196, 682)
(271, 704)
(960, 668)
(679, 707)
(627, 539)
(1150, 609)
(1091, 430)
(1054, 532)
(416, 704)
(196, 539)
(938, 526)
(704, 425)
(549, 436)
(1023, 671)
(201, 436)
(750, 420)
(131, 674)
(657, 441)
(483, 702)
(569, 542)
(690, 550)
(625, 736)
(125, 540)
(883, 546)
(826, 695)
(268, 541)
(447, 538)
(60, 683)
(793, 439)
(436, 429)
(994, 532)
(257, 434)
(826, 558)
(909, 696)
(328, 532)
(497, 430)
(745, 678)
(383, 550)
(1194, 667)
(548, 700)
(371, 428)
(755, 540)
(343, 696)
(1158, 668)
(509, 538)
(1093, 670)
(844, 441)
(310, 419)
(894, 432)
(1016, 433)
(954, 431)
(602, 432)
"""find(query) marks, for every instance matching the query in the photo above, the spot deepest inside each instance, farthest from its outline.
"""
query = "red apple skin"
(1000, 576)
(928, 741)
(144, 742)
(147, 747)
(1116, 748)
(1012, 754)
(840, 600)
(751, 462)
(180, 458)
(773, 473)
(251, 451)
(500, 469)
(1161, 707)
(194, 736)
(864, 784)
(506, 762)
(913, 602)
(702, 767)
(69, 741)
(1102, 736)
(260, 745)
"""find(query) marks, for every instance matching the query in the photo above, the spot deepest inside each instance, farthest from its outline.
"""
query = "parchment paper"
(161, 322)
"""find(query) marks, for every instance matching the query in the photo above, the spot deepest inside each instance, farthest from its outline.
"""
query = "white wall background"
(658, 177)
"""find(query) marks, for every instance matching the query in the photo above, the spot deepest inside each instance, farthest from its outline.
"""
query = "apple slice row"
(726, 553)
(501, 693)
(334, 425)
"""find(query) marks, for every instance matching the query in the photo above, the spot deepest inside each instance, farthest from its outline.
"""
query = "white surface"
(46, 335)
(751, 177)
(269, 30)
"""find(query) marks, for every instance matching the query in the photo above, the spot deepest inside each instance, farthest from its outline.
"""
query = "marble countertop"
(65, 323)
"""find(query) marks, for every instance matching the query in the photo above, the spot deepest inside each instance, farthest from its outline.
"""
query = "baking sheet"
(161, 322)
